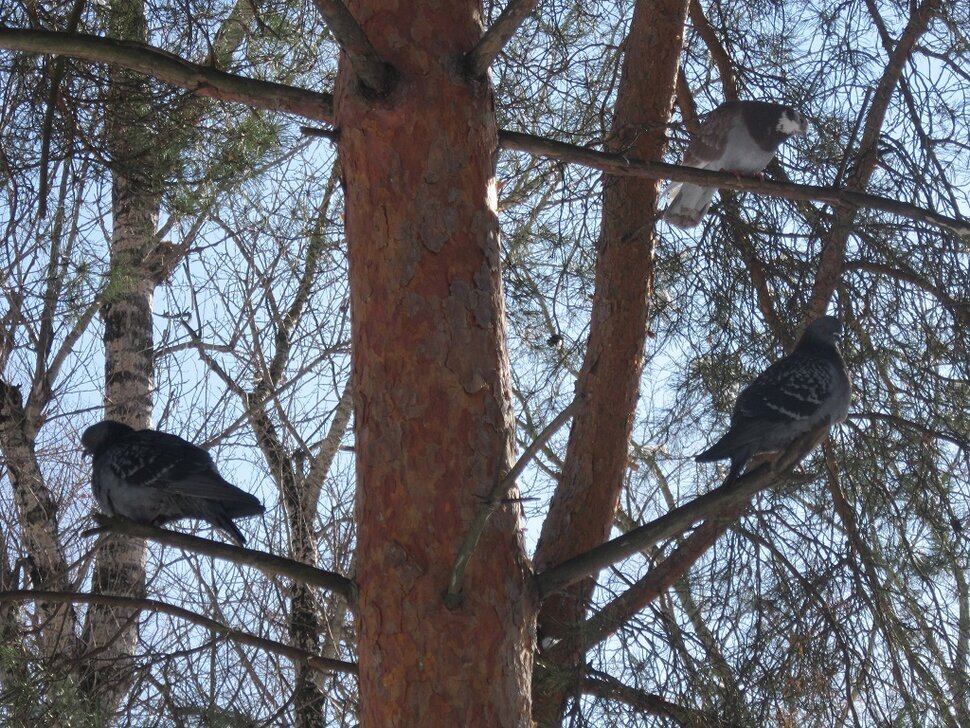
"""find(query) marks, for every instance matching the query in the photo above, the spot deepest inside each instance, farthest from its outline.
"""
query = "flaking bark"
(431, 378)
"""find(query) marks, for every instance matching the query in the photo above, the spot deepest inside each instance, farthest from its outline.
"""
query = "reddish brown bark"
(431, 375)
(584, 504)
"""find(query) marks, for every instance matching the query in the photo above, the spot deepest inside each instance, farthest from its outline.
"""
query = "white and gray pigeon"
(808, 388)
(739, 137)
(155, 477)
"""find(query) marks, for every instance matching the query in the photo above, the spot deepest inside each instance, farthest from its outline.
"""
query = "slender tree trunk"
(583, 508)
(110, 634)
(431, 375)
(37, 516)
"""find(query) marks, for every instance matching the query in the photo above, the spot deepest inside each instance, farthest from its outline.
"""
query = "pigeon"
(739, 137)
(155, 477)
(804, 390)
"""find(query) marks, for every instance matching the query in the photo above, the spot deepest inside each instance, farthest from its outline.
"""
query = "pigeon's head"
(792, 122)
(826, 329)
(99, 436)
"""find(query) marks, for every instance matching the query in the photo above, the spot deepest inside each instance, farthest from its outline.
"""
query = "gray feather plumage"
(155, 477)
(798, 393)
(738, 136)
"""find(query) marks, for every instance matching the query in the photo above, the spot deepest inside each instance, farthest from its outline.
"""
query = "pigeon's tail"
(243, 505)
(225, 523)
(726, 448)
(671, 192)
(216, 515)
(689, 205)
(720, 450)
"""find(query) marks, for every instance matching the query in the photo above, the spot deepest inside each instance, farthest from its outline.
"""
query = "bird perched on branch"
(807, 389)
(155, 477)
(738, 136)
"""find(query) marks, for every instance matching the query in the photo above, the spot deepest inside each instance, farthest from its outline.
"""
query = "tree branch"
(267, 563)
(620, 165)
(829, 271)
(606, 686)
(167, 67)
(322, 664)
(961, 443)
(493, 500)
(370, 68)
(317, 106)
(720, 55)
(960, 309)
(678, 520)
(479, 58)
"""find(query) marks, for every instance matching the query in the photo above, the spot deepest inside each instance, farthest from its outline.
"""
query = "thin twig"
(322, 664)
(839, 176)
(608, 687)
(479, 58)
(267, 563)
(494, 499)
(717, 50)
(48, 128)
(370, 68)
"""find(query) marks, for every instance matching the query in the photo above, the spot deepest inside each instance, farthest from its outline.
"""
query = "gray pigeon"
(796, 394)
(738, 136)
(155, 477)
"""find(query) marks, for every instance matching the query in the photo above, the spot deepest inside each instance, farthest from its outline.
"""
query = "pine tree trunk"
(431, 374)
(583, 508)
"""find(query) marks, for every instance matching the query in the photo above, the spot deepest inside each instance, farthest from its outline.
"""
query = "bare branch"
(323, 664)
(618, 164)
(314, 131)
(267, 563)
(659, 578)
(605, 686)
(833, 247)
(960, 309)
(370, 68)
(319, 106)
(479, 58)
(678, 520)
(172, 69)
(960, 442)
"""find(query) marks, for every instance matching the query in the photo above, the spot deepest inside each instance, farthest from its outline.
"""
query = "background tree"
(180, 185)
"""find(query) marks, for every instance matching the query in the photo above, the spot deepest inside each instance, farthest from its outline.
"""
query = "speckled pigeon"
(796, 394)
(155, 477)
(738, 136)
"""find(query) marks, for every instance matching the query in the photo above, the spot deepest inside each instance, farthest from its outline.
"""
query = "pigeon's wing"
(210, 486)
(688, 203)
(708, 143)
(152, 459)
(161, 460)
(791, 389)
(193, 473)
